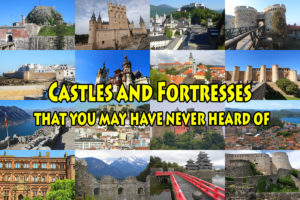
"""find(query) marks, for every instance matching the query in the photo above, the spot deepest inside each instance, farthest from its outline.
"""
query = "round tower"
(235, 74)
(280, 160)
(245, 16)
(92, 32)
(268, 12)
(275, 73)
(248, 76)
(263, 73)
(293, 76)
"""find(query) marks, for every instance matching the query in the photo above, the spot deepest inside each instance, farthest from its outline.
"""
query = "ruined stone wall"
(280, 160)
(238, 168)
(262, 162)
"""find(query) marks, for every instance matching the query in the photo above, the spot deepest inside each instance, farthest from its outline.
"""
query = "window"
(17, 165)
(35, 165)
(53, 179)
(62, 166)
(44, 166)
(16, 178)
(26, 165)
(43, 179)
(34, 193)
(8, 165)
(6, 194)
(8, 178)
(27, 178)
(0, 165)
(62, 177)
(44, 193)
(52, 166)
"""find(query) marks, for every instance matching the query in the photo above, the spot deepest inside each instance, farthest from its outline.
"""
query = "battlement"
(116, 7)
(235, 156)
(244, 8)
(274, 7)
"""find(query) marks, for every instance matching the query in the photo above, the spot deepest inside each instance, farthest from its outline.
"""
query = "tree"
(168, 32)
(279, 26)
(62, 190)
(208, 74)
(169, 138)
(60, 39)
(156, 76)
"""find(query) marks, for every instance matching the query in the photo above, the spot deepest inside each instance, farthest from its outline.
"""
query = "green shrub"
(227, 178)
(287, 181)
(244, 180)
(261, 185)
(294, 172)
(292, 89)
(283, 83)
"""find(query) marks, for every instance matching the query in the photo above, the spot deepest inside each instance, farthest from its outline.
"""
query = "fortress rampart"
(263, 162)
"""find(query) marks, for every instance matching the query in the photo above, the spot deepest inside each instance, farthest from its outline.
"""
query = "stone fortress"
(114, 33)
(266, 164)
(246, 16)
(108, 187)
(25, 34)
(262, 74)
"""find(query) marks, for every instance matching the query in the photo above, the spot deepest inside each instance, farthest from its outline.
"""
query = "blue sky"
(265, 105)
(289, 59)
(11, 11)
(26, 153)
(84, 106)
(211, 4)
(292, 7)
(89, 62)
(34, 104)
(11, 60)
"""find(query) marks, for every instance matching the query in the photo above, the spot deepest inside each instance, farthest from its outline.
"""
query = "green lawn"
(51, 30)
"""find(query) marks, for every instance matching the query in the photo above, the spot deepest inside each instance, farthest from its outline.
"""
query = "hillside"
(44, 15)
(161, 9)
(13, 114)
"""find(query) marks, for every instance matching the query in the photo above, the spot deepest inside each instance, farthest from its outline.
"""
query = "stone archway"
(10, 38)
(20, 197)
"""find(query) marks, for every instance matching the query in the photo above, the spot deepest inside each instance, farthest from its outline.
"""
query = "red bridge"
(185, 185)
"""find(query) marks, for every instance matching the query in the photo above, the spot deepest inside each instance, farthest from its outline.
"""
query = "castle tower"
(263, 74)
(99, 20)
(117, 16)
(191, 59)
(280, 160)
(236, 74)
(22, 19)
(126, 78)
(275, 73)
(248, 76)
(93, 27)
(245, 16)
(143, 25)
(293, 76)
(70, 167)
(102, 75)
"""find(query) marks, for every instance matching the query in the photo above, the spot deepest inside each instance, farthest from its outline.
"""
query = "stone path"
(66, 141)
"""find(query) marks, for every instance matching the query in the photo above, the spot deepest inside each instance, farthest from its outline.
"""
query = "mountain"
(219, 11)
(161, 9)
(13, 114)
(57, 109)
(119, 168)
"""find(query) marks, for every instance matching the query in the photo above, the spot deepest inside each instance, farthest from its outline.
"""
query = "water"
(219, 180)
(294, 120)
(26, 128)
(164, 194)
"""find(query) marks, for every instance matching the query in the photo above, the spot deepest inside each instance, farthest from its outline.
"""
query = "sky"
(293, 155)
(109, 156)
(85, 9)
(11, 11)
(89, 62)
(264, 105)
(211, 4)
(285, 59)
(36, 104)
(292, 7)
(84, 106)
(208, 57)
(11, 60)
(26, 153)
(217, 157)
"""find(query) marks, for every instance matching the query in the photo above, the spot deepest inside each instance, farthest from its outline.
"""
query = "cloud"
(217, 157)
(85, 8)
(206, 57)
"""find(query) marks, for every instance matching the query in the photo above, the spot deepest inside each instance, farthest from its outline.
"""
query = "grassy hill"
(51, 30)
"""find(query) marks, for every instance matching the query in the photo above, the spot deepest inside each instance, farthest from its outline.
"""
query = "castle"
(263, 162)
(115, 32)
(246, 16)
(262, 74)
(125, 76)
(202, 163)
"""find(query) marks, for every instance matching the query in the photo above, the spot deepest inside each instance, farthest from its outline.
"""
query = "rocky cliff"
(44, 15)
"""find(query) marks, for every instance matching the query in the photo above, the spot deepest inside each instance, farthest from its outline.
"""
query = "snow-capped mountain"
(119, 168)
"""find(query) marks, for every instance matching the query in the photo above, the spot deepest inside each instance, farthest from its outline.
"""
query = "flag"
(5, 120)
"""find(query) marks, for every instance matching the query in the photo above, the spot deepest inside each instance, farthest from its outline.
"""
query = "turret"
(99, 20)
(92, 34)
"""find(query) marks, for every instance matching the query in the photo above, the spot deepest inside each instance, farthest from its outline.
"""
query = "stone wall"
(107, 38)
(20, 92)
(239, 168)
(39, 76)
(258, 92)
(48, 42)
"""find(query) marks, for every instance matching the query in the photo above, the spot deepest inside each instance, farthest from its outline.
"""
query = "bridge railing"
(177, 191)
(211, 190)
(234, 32)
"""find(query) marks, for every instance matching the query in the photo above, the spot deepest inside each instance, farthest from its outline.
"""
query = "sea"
(294, 120)
(27, 127)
